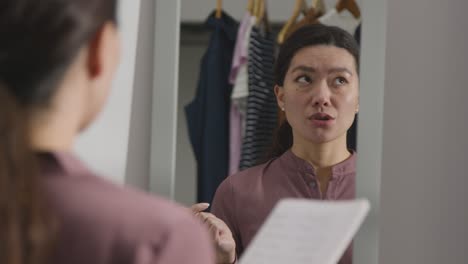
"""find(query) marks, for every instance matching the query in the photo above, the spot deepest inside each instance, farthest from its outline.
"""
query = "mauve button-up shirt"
(244, 200)
(102, 223)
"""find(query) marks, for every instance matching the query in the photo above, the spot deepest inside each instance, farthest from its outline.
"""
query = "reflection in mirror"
(272, 101)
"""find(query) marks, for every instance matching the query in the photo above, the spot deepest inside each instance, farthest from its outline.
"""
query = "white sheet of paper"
(300, 231)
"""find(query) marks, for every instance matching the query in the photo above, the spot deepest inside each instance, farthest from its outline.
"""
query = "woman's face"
(320, 94)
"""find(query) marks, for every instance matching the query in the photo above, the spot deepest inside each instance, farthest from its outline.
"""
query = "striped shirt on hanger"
(261, 117)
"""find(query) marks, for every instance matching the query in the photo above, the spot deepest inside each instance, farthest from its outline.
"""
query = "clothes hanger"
(262, 16)
(250, 6)
(311, 17)
(260, 12)
(256, 6)
(349, 5)
(219, 8)
(319, 6)
(300, 7)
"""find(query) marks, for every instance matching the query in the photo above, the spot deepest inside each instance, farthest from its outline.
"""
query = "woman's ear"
(279, 92)
(103, 52)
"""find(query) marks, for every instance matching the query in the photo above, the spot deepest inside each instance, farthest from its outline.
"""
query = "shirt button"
(313, 184)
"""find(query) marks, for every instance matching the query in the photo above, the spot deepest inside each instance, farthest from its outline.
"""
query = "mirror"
(222, 79)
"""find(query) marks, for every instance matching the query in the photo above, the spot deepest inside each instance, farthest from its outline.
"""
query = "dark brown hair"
(40, 38)
(306, 36)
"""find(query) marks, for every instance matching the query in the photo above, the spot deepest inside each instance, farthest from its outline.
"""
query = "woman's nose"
(321, 95)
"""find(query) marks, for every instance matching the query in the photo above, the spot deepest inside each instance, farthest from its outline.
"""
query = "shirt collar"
(338, 171)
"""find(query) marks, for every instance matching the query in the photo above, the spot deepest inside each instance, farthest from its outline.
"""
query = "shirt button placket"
(314, 188)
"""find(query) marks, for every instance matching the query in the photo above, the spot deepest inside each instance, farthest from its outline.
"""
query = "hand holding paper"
(300, 231)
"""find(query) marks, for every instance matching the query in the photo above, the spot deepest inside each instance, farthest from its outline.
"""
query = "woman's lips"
(321, 119)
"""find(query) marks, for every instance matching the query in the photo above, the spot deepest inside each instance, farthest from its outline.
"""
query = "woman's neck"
(52, 132)
(323, 155)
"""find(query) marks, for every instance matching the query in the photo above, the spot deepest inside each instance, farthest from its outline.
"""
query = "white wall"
(424, 212)
(417, 176)
(104, 145)
(370, 126)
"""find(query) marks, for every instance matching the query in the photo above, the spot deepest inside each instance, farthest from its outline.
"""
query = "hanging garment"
(208, 114)
(240, 53)
(261, 117)
(239, 71)
(238, 77)
(343, 19)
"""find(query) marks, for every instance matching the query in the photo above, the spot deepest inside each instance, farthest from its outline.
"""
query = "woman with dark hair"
(57, 60)
(317, 89)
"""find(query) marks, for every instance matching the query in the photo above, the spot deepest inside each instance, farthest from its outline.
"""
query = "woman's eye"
(340, 81)
(304, 79)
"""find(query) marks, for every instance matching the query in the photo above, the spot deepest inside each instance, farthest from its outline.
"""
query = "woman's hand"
(222, 236)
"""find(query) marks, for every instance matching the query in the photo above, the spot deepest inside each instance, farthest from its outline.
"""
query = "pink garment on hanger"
(239, 57)
(238, 74)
